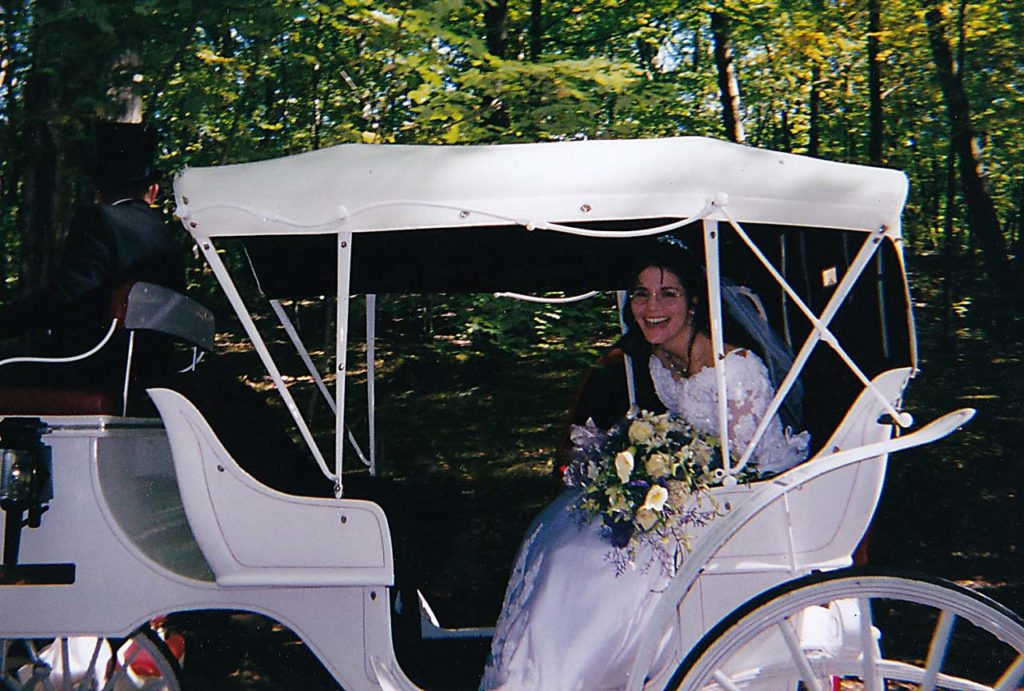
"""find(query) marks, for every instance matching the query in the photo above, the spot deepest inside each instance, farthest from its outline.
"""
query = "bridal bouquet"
(646, 479)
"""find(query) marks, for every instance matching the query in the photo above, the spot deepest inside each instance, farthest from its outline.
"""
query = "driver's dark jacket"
(107, 246)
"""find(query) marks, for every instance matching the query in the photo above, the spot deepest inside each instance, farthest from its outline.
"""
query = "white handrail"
(548, 301)
(342, 214)
(70, 358)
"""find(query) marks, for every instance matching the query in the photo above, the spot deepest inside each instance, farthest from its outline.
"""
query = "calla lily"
(656, 498)
(623, 465)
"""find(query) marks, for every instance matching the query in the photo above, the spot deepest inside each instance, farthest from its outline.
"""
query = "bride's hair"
(669, 254)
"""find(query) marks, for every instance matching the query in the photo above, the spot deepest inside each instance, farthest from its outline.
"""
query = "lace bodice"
(748, 392)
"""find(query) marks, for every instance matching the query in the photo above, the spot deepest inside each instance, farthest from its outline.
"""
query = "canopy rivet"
(586, 208)
(463, 214)
(344, 244)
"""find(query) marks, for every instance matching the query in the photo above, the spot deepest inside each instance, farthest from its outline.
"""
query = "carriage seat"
(134, 306)
(252, 535)
(818, 528)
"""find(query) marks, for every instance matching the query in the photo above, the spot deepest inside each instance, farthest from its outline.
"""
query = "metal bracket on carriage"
(888, 419)
(26, 487)
(37, 574)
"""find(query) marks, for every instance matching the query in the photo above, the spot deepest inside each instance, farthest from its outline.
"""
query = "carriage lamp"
(26, 483)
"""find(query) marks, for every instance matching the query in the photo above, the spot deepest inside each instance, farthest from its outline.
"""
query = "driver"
(117, 239)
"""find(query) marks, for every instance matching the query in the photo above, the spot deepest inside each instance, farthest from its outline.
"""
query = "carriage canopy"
(551, 216)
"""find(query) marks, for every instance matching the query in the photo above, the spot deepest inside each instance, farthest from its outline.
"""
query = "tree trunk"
(496, 36)
(44, 204)
(728, 86)
(126, 101)
(875, 132)
(814, 99)
(496, 27)
(981, 213)
(814, 114)
(536, 29)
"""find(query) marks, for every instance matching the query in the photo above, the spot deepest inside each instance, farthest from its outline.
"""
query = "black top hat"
(123, 155)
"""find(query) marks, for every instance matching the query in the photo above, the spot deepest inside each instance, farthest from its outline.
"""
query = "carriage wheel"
(140, 661)
(855, 630)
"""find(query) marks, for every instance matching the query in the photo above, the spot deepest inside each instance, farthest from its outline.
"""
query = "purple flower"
(620, 531)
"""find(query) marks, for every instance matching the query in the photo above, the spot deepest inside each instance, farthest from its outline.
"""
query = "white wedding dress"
(568, 620)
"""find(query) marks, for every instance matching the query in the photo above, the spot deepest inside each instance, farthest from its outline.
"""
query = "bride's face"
(661, 307)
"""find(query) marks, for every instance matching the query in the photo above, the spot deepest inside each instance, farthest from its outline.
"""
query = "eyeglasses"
(669, 296)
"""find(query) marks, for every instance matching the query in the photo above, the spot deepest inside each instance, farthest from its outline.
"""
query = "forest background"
(930, 87)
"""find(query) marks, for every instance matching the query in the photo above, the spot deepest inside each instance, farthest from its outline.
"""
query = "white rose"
(658, 465)
(646, 518)
(640, 432)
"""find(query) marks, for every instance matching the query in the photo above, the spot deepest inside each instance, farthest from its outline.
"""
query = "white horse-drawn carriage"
(113, 521)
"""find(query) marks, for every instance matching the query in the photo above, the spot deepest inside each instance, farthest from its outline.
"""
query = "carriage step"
(37, 574)
(430, 627)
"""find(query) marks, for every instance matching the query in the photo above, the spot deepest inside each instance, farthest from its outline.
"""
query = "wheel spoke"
(120, 672)
(91, 671)
(726, 683)
(5, 647)
(65, 663)
(1011, 678)
(867, 640)
(759, 644)
(937, 649)
(796, 652)
(121, 668)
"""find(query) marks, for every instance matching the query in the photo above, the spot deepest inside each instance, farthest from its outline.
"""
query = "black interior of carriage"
(871, 325)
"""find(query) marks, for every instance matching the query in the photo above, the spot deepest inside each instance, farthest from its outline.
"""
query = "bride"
(571, 619)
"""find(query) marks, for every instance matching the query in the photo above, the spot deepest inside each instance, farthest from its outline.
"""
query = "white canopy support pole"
(882, 321)
(209, 251)
(127, 373)
(911, 328)
(784, 261)
(622, 302)
(821, 332)
(717, 341)
(341, 355)
(820, 324)
(300, 348)
(371, 371)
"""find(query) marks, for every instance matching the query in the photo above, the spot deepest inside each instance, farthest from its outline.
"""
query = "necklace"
(670, 360)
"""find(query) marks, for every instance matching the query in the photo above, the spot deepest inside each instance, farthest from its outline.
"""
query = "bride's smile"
(662, 309)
